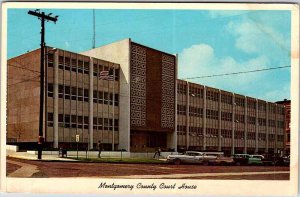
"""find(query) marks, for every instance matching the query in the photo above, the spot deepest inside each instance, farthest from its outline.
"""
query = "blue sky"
(207, 42)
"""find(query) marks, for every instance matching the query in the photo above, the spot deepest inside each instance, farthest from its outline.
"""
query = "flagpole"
(113, 112)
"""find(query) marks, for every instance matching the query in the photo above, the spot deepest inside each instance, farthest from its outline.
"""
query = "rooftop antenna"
(94, 30)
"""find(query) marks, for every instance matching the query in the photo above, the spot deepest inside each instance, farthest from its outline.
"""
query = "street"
(45, 169)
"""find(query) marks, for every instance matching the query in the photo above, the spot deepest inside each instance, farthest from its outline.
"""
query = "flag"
(107, 75)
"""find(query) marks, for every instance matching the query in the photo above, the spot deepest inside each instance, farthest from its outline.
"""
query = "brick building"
(287, 104)
(147, 95)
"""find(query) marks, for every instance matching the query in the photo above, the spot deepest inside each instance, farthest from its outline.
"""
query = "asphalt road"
(40, 169)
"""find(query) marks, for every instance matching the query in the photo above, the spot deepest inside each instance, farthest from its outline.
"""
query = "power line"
(236, 73)
(26, 80)
(24, 68)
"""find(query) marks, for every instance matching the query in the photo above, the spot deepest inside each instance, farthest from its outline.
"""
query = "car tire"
(205, 163)
(177, 161)
(223, 163)
(237, 163)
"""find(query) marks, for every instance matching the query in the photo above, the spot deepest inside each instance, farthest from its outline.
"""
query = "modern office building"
(287, 105)
(143, 108)
(216, 120)
(77, 102)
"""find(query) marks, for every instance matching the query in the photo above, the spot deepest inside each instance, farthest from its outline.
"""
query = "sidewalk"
(28, 156)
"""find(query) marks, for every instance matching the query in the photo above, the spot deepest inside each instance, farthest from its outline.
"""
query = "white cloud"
(200, 60)
(254, 36)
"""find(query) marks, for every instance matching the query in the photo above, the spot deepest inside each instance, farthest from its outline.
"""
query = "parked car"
(222, 160)
(246, 159)
(190, 157)
(275, 160)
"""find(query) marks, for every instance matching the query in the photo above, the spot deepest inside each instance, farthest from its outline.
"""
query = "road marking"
(26, 170)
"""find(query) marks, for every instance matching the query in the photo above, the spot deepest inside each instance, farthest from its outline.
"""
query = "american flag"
(107, 75)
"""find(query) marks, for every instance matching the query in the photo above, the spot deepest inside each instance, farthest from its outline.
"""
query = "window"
(225, 98)
(67, 120)
(67, 92)
(60, 120)
(272, 123)
(50, 120)
(181, 129)
(227, 116)
(50, 90)
(214, 96)
(181, 89)
(86, 67)
(181, 109)
(240, 118)
(262, 136)
(95, 71)
(195, 111)
(262, 122)
(280, 124)
(73, 93)
(251, 135)
(60, 91)
(261, 106)
(251, 104)
(212, 114)
(251, 120)
(196, 92)
(225, 133)
(86, 95)
(239, 101)
(271, 137)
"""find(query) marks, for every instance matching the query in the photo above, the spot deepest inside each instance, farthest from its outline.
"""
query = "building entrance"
(147, 142)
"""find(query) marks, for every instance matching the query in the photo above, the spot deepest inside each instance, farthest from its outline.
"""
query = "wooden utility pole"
(43, 17)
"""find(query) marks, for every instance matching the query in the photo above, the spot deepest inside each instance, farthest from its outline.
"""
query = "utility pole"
(43, 17)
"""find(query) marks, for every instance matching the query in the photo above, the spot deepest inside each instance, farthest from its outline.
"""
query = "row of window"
(226, 116)
(79, 66)
(214, 96)
(226, 133)
(74, 121)
(82, 94)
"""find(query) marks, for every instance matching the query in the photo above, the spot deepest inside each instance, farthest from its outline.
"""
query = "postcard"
(150, 98)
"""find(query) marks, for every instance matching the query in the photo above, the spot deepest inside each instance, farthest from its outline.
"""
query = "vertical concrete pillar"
(219, 124)
(267, 128)
(233, 126)
(55, 104)
(256, 126)
(187, 115)
(91, 109)
(204, 118)
(245, 126)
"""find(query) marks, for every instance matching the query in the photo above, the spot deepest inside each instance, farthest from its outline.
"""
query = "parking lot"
(44, 169)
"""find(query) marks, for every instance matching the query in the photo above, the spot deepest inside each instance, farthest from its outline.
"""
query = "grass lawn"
(119, 160)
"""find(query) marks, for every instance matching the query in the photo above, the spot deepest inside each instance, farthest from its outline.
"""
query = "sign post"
(77, 140)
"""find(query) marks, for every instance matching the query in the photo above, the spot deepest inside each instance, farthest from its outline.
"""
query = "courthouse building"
(144, 107)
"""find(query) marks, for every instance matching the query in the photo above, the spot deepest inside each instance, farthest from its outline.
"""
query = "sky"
(208, 42)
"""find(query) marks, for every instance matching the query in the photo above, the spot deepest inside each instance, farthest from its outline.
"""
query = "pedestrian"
(157, 153)
(99, 149)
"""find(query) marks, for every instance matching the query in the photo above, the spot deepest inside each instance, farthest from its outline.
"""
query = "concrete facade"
(216, 120)
(148, 96)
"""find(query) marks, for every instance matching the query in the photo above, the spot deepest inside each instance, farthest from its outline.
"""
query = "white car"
(191, 157)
